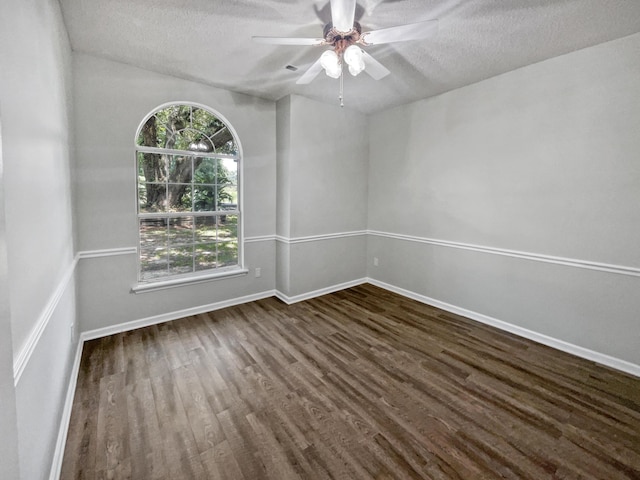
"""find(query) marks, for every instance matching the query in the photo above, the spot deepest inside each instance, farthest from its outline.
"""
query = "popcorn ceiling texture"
(210, 41)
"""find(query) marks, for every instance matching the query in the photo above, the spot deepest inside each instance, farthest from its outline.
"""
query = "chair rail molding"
(107, 252)
(320, 237)
(23, 357)
(537, 257)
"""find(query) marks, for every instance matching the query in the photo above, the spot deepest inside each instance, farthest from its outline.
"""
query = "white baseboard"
(317, 293)
(576, 350)
(166, 317)
(63, 430)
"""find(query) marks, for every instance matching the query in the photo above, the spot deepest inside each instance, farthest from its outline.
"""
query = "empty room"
(338, 239)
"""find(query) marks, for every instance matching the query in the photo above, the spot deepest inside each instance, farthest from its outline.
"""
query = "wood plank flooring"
(359, 384)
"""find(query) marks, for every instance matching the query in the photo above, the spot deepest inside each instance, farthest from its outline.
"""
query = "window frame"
(171, 280)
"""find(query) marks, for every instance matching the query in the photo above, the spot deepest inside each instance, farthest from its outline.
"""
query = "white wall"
(111, 101)
(322, 191)
(35, 101)
(542, 160)
(284, 154)
(283, 192)
(9, 460)
(35, 104)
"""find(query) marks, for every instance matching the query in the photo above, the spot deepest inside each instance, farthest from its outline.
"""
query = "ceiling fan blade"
(374, 67)
(288, 40)
(310, 74)
(401, 33)
(342, 14)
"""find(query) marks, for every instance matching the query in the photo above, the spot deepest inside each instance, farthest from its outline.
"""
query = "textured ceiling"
(210, 41)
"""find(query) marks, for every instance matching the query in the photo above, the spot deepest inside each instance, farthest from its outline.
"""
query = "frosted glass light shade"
(355, 70)
(331, 63)
(353, 56)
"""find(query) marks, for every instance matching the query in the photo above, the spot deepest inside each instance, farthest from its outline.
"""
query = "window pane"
(228, 227)
(230, 167)
(204, 198)
(152, 167)
(193, 140)
(175, 119)
(227, 253)
(179, 169)
(153, 133)
(179, 199)
(181, 140)
(205, 170)
(227, 176)
(181, 230)
(142, 196)
(153, 233)
(153, 263)
(205, 121)
(227, 146)
(152, 197)
(227, 197)
(181, 260)
(205, 229)
(205, 256)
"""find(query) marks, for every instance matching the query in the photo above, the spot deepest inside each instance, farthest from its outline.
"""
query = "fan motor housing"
(341, 40)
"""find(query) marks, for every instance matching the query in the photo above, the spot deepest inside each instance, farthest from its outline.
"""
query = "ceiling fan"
(345, 37)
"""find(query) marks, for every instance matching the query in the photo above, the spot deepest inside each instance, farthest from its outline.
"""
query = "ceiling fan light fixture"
(354, 58)
(355, 71)
(331, 64)
(344, 36)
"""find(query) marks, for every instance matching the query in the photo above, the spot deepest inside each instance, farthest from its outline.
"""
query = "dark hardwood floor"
(360, 384)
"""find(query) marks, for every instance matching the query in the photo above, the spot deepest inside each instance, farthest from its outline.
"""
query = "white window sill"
(190, 280)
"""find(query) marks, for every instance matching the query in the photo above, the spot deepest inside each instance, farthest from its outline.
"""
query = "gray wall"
(322, 190)
(9, 461)
(283, 193)
(35, 107)
(328, 167)
(542, 160)
(112, 99)
(35, 101)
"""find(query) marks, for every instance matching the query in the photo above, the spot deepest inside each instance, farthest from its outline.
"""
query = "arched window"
(188, 204)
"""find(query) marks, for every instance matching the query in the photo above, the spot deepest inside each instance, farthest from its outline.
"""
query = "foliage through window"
(188, 213)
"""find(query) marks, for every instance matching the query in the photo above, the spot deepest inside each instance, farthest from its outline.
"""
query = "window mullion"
(188, 214)
(217, 238)
(185, 153)
(193, 189)
(166, 181)
(193, 244)
(168, 247)
(193, 208)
